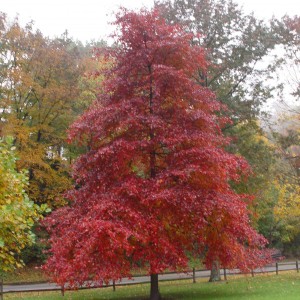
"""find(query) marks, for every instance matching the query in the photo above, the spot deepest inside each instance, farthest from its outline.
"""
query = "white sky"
(88, 19)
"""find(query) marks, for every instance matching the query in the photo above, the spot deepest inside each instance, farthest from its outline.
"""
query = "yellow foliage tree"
(287, 210)
(38, 90)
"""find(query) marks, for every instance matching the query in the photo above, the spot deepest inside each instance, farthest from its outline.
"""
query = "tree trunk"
(215, 272)
(154, 291)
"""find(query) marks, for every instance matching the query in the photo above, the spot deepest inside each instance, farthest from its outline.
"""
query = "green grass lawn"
(283, 287)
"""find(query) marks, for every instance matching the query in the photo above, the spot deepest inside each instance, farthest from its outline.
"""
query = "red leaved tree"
(155, 182)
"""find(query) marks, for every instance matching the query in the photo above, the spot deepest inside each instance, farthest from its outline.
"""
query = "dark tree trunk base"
(154, 291)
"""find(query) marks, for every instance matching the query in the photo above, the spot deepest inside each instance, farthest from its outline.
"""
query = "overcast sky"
(88, 19)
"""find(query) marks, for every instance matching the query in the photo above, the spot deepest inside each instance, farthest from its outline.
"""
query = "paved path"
(143, 279)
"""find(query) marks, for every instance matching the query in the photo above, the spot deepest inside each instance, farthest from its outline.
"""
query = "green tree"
(251, 142)
(235, 44)
(17, 213)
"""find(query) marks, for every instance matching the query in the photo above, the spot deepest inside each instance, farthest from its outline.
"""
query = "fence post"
(194, 275)
(114, 285)
(225, 275)
(297, 266)
(277, 268)
(1, 289)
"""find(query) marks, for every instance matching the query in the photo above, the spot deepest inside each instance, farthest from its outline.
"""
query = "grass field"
(286, 286)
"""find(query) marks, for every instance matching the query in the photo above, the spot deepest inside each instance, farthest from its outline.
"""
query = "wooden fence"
(193, 274)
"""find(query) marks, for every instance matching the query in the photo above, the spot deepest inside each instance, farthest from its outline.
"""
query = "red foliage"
(155, 183)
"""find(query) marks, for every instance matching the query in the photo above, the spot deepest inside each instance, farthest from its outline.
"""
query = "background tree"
(155, 181)
(288, 31)
(283, 132)
(90, 81)
(17, 213)
(39, 98)
(286, 209)
(39, 87)
(250, 141)
(235, 44)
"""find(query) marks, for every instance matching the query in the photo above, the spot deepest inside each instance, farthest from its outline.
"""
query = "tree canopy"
(38, 79)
